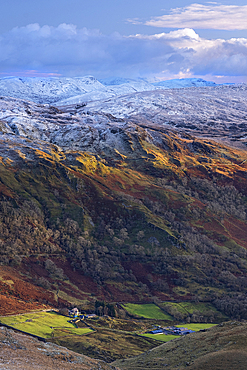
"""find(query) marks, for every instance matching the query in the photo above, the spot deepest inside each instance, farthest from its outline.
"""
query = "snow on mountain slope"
(168, 84)
(111, 81)
(183, 83)
(214, 111)
(106, 125)
(119, 83)
(66, 91)
(49, 90)
(111, 92)
(177, 104)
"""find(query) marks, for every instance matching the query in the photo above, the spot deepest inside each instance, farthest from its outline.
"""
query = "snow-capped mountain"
(183, 83)
(102, 126)
(48, 90)
(88, 110)
(66, 91)
(202, 110)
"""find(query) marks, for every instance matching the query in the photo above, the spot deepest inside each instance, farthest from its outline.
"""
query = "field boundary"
(42, 339)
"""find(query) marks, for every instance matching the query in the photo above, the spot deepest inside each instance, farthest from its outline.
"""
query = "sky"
(157, 40)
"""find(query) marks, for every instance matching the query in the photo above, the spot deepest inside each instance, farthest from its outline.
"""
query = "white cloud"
(199, 56)
(70, 51)
(198, 16)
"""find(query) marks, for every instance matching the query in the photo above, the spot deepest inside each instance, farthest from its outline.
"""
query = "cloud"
(198, 16)
(69, 51)
(200, 56)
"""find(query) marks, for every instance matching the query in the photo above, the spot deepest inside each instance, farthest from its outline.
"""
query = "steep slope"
(134, 209)
(139, 198)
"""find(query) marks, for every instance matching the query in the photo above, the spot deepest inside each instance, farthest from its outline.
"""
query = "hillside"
(95, 205)
(220, 347)
(134, 207)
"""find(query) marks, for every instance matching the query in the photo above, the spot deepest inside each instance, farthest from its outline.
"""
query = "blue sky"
(131, 38)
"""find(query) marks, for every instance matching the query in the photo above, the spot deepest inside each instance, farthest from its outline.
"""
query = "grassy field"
(160, 337)
(44, 324)
(190, 307)
(197, 326)
(201, 307)
(148, 311)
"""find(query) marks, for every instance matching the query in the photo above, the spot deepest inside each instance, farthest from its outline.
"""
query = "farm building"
(74, 312)
(157, 331)
(172, 330)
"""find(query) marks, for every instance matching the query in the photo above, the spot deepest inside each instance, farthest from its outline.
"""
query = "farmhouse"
(74, 312)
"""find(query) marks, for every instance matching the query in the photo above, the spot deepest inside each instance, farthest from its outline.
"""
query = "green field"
(201, 307)
(190, 307)
(147, 311)
(44, 324)
(196, 327)
(161, 337)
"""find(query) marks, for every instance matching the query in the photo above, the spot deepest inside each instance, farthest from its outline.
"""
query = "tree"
(140, 235)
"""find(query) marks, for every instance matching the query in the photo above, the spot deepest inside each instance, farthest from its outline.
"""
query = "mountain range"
(65, 91)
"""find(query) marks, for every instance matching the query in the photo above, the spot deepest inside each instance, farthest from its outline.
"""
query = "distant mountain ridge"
(180, 83)
(67, 91)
